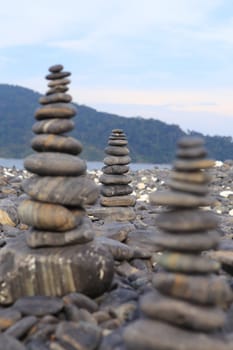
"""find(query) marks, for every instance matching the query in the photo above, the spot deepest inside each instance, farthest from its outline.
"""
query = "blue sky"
(170, 60)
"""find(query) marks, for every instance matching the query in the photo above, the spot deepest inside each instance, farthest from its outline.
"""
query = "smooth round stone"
(119, 214)
(58, 164)
(195, 242)
(191, 165)
(46, 216)
(39, 305)
(181, 313)
(196, 177)
(157, 335)
(115, 179)
(57, 75)
(117, 190)
(53, 126)
(56, 143)
(188, 263)
(118, 142)
(115, 169)
(55, 98)
(116, 151)
(58, 82)
(195, 152)
(119, 250)
(56, 68)
(185, 220)
(8, 317)
(73, 191)
(55, 110)
(198, 189)
(56, 89)
(117, 137)
(207, 290)
(118, 201)
(82, 335)
(179, 199)
(113, 160)
(82, 234)
(117, 131)
(190, 141)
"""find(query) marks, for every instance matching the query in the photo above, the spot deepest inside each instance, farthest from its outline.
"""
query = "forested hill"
(150, 140)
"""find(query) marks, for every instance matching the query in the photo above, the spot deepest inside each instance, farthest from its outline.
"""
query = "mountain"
(150, 140)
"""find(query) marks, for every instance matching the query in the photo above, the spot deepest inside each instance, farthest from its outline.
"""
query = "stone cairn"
(116, 190)
(60, 254)
(189, 299)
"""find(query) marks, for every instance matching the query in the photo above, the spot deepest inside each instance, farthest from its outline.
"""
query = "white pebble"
(141, 186)
(218, 163)
(225, 194)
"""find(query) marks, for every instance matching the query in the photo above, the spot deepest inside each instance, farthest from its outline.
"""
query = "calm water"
(18, 163)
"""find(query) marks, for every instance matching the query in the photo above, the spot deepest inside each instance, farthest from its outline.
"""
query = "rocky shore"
(76, 321)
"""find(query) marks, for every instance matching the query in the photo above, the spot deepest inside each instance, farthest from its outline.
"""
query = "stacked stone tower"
(64, 256)
(116, 187)
(189, 298)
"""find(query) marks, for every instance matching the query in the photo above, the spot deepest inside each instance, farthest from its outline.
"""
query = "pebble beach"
(98, 323)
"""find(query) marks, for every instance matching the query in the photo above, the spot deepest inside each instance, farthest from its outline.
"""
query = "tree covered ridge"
(150, 140)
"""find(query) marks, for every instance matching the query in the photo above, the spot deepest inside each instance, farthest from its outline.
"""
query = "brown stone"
(115, 169)
(115, 179)
(199, 177)
(56, 143)
(195, 152)
(58, 164)
(193, 263)
(110, 214)
(190, 142)
(193, 242)
(118, 201)
(207, 290)
(57, 82)
(115, 190)
(178, 199)
(198, 189)
(113, 160)
(118, 142)
(53, 126)
(55, 110)
(185, 220)
(46, 216)
(192, 165)
(56, 68)
(57, 75)
(117, 151)
(73, 191)
(181, 313)
(56, 89)
(55, 98)
(82, 234)
(8, 317)
(223, 256)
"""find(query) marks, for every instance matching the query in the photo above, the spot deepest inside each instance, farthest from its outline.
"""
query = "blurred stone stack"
(58, 192)
(116, 179)
(188, 299)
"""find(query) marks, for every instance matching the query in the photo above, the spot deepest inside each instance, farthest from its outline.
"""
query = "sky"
(170, 60)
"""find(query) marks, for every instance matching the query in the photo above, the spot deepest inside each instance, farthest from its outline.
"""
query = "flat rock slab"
(53, 126)
(55, 164)
(187, 220)
(73, 191)
(206, 290)
(193, 242)
(55, 110)
(56, 143)
(112, 213)
(86, 268)
(118, 201)
(155, 335)
(39, 305)
(179, 199)
(181, 313)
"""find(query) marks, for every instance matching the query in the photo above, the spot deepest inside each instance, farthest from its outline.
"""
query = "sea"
(18, 164)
